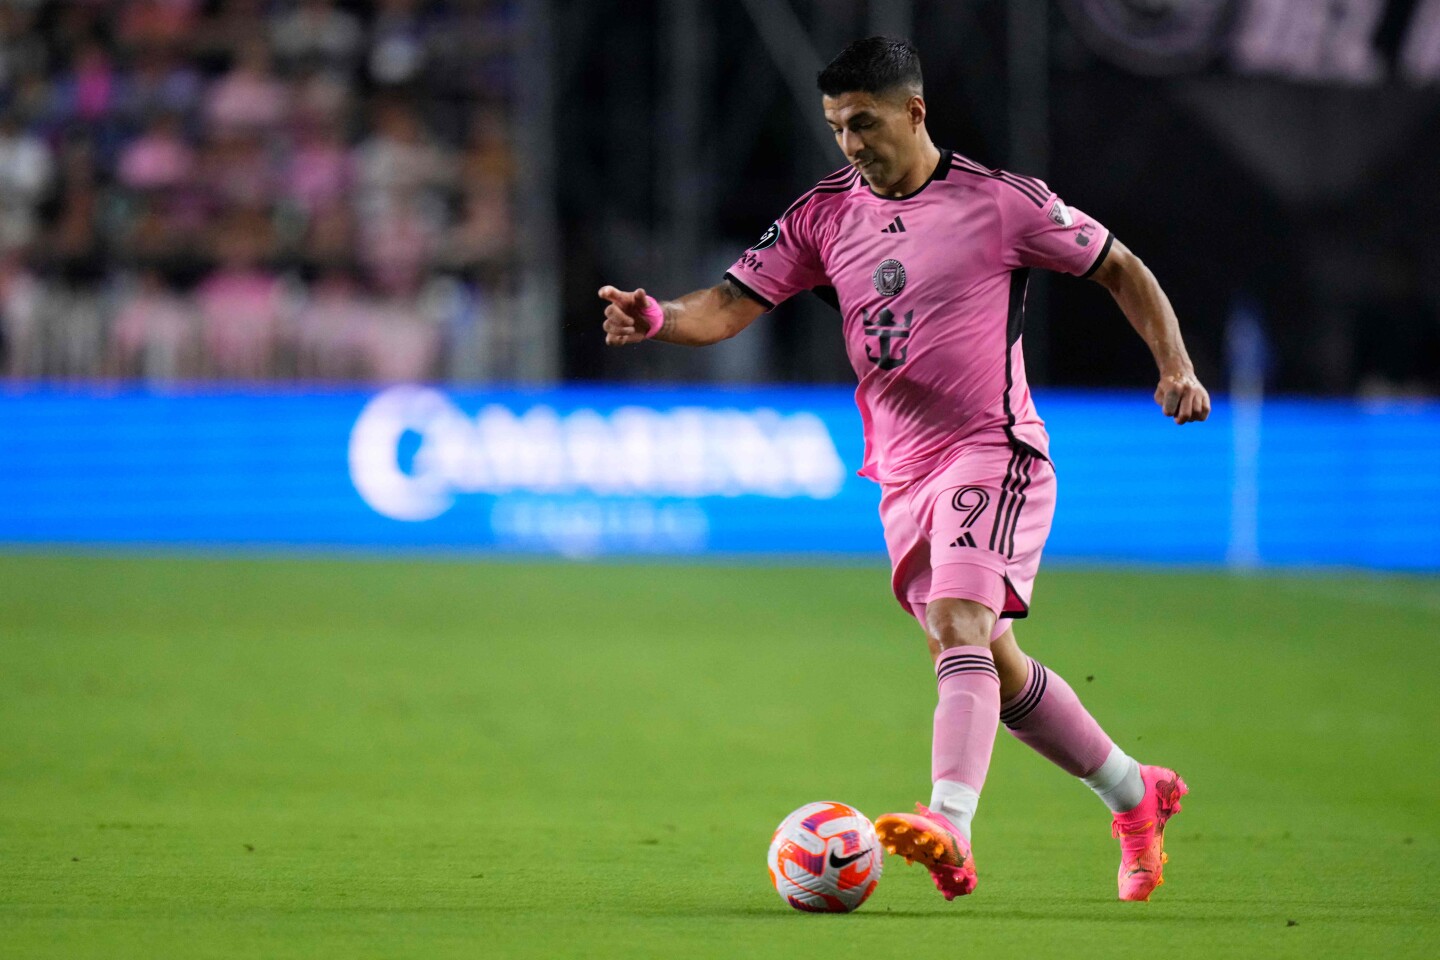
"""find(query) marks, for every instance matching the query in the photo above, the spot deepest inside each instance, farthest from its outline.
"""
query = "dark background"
(1301, 193)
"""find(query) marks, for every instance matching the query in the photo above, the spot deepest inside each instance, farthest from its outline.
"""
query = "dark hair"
(873, 65)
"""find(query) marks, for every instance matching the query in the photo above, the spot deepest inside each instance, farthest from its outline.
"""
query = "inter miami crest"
(768, 238)
(889, 277)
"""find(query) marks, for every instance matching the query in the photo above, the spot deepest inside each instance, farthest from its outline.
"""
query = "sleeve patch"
(1061, 214)
(768, 238)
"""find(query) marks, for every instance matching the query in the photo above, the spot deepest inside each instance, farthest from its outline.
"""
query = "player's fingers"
(638, 300)
(618, 315)
(1171, 403)
(1197, 405)
(618, 322)
(610, 293)
(1186, 412)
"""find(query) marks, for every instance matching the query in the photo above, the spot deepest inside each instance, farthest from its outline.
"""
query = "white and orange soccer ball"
(825, 858)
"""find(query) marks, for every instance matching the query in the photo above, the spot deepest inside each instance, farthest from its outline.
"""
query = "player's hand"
(629, 317)
(1181, 396)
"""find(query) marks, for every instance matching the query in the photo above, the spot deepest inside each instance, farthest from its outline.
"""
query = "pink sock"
(966, 717)
(1047, 717)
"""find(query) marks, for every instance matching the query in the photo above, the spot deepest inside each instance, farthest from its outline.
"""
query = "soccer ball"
(825, 858)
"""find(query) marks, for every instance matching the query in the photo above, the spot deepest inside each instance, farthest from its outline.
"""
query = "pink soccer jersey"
(931, 288)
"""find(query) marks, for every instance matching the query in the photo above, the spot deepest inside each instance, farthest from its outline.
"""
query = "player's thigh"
(969, 507)
(987, 534)
(908, 545)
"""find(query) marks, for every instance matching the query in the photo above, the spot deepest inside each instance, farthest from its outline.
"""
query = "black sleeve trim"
(761, 300)
(1104, 252)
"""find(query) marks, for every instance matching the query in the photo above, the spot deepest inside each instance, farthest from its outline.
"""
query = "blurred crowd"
(253, 190)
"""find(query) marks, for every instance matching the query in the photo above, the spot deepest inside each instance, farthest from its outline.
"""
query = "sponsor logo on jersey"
(1061, 215)
(1083, 236)
(768, 238)
(891, 333)
(889, 277)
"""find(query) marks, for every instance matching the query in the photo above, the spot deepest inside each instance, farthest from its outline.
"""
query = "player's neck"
(916, 176)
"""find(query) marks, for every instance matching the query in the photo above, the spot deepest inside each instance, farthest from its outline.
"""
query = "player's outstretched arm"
(696, 319)
(1180, 393)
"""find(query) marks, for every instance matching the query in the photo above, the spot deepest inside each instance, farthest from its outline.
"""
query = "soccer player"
(926, 253)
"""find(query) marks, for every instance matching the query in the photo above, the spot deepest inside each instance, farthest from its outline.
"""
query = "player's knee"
(959, 623)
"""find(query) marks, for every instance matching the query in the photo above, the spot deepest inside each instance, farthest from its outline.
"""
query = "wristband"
(654, 313)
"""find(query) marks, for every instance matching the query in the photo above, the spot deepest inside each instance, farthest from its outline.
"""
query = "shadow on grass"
(1081, 913)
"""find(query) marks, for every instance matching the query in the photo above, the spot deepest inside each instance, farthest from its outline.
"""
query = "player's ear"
(915, 106)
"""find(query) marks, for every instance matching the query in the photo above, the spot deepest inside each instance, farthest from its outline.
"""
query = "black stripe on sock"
(969, 660)
(1016, 714)
(1031, 695)
(1030, 699)
(952, 667)
(965, 661)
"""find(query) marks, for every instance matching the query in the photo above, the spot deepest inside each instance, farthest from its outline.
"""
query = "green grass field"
(347, 758)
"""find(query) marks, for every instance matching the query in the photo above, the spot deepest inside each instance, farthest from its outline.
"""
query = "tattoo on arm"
(710, 305)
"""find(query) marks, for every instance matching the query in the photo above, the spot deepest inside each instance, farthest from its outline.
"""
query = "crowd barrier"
(583, 472)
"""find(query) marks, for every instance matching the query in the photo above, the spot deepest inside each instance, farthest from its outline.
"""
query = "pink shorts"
(972, 530)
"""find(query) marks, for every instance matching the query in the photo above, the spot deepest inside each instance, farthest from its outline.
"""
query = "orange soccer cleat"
(929, 838)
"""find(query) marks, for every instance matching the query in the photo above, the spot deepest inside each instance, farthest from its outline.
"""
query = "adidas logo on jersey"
(896, 226)
(964, 540)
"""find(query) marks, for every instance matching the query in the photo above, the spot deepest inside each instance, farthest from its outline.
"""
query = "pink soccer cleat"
(931, 839)
(1142, 833)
